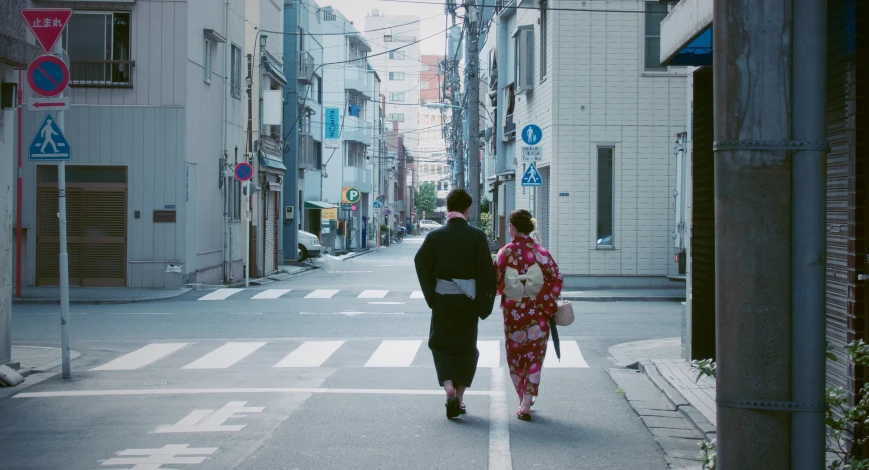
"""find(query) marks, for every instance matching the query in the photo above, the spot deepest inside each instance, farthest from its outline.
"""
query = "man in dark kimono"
(457, 277)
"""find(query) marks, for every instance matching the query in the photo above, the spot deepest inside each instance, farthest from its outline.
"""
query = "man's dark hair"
(458, 200)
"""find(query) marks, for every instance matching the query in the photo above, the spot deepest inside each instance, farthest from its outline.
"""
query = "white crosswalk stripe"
(224, 356)
(373, 294)
(221, 294)
(394, 354)
(312, 354)
(271, 294)
(322, 294)
(417, 294)
(142, 356)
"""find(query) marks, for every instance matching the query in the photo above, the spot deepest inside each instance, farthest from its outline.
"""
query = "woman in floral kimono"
(529, 283)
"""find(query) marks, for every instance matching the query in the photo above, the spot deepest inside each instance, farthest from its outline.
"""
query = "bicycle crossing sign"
(532, 176)
(49, 142)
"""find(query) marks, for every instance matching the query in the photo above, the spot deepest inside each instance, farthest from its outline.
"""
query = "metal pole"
(809, 236)
(246, 223)
(18, 203)
(753, 212)
(472, 85)
(64, 256)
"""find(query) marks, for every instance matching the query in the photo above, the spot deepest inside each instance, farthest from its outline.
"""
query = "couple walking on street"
(460, 281)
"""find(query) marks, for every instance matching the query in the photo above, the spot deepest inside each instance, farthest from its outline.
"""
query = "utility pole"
(770, 194)
(472, 113)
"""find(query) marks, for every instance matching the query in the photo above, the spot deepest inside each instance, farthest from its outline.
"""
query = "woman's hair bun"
(522, 220)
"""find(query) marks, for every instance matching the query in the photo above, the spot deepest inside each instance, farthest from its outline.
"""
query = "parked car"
(309, 245)
(428, 225)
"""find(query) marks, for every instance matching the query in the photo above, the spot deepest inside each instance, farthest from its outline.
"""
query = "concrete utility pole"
(472, 113)
(6, 239)
(753, 215)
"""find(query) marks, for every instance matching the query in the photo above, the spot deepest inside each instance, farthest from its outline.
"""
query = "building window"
(543, 39)
(655, 13)
(396, 117)
(396, 55)
(523, 43)
(235, 78)
(206, 61)
(98, 44)
(396, 75)
(318, 89)
(605, 196)
(396, 97)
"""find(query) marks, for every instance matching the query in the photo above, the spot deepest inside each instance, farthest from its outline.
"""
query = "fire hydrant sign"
(46, 24)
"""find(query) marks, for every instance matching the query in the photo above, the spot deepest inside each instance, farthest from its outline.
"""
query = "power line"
(516, 7)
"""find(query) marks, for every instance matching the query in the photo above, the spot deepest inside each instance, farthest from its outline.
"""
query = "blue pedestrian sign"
(532, 134)
(49, 142)
(532, 177)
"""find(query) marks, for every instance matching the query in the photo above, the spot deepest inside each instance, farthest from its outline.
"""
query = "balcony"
(306, 152)
(359, 178)
(357, 130)
(509, 129)
(306, 67)
(102, 73)
(359, 80)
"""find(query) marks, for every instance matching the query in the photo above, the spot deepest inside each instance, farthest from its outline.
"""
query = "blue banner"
(333, 123)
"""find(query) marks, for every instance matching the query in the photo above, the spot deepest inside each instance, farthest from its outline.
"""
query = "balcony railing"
(102, 73)
(306, 67)
(359, 178)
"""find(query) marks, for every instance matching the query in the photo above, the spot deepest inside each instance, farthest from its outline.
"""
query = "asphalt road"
(305, 377)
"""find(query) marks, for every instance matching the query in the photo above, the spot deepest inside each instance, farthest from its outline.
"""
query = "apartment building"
(400, 69)
(155, 128)
(609, 115)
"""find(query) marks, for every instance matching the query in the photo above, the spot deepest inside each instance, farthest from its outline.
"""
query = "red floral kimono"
(526, 322)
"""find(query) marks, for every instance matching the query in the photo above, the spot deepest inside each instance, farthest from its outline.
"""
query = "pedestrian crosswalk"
(233, 293)
(403, 353)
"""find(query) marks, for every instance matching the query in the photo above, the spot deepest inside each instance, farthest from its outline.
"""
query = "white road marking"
(321, 294)
(224, 356)
(499, 426)
(142, 356)
(310, 354)
(211, 420)
(417, 294)
(373, 294)
(394, 354)
(139, 313)
(155, 458)
(271, 294)
(490, 354)
(571, 356)
(221, 294)
(387, 303)
(208, 391)
(351, 313)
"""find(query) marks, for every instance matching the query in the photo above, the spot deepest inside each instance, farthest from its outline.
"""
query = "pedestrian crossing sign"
(49, 142)
(532, 177)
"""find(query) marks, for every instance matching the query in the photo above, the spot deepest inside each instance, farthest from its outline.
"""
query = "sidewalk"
(668, 294)
(34, 364)
(661, 362)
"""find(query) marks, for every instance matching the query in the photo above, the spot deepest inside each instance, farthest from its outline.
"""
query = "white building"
(609, 115)
(351, 88)
(400, 69)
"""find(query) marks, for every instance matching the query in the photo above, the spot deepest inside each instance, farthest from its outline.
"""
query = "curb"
(627, 299)
(88, 302)
(358, 254)
(678, 401)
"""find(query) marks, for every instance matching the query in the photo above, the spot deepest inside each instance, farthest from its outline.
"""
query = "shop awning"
(271, 161)
(318, 205)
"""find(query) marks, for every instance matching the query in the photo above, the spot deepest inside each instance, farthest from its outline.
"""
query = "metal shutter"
(703, 232)
(846, 193)
(270, 238)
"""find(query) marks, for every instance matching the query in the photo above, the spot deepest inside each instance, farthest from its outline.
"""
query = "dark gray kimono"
(456, 251)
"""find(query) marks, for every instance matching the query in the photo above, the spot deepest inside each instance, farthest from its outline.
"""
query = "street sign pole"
(64, 256)
(247, 233)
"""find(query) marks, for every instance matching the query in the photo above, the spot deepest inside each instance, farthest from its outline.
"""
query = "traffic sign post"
(532, 176)
(49, 76)
(244, 172)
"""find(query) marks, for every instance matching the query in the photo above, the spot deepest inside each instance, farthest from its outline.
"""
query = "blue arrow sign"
(49, 142)
(532, 134)
(378, 204)
(532, 177)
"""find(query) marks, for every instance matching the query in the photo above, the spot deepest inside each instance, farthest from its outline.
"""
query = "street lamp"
(442, 106)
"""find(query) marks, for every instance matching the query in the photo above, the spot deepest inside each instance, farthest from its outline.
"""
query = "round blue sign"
(243, 171)
(532, 134)
(48, 75)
